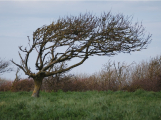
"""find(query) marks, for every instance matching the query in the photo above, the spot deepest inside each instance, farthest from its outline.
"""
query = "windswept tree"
(80, 37)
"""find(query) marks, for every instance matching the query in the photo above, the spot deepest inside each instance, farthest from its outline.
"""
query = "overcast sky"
(20, 19)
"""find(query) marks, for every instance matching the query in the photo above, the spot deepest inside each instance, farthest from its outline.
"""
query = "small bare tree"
(17, 78)
(80, 37)
(4, 66)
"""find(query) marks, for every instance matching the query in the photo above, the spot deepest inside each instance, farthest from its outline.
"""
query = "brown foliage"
(79, 84)
(147, 75)
(146, 84)
(22, 85)
(5, 85)
(120, 76)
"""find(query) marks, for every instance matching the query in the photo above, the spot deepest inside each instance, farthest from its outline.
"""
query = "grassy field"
(90, 105)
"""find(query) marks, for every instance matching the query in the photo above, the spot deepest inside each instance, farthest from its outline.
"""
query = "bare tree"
(80, 37)
(17, 78)
(4, 66)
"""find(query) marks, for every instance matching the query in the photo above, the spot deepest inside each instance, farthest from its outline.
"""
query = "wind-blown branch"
(4, 66)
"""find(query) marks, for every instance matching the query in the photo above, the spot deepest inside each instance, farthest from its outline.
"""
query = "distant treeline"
(113, 76)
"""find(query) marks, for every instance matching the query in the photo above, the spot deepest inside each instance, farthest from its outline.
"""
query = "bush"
(5, 85)
(23, 85)
(147, 75)
(113, 76)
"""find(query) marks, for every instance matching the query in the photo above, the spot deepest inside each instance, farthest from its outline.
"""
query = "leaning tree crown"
(81, 36)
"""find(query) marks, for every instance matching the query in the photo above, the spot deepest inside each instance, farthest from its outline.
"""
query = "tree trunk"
(37, 86)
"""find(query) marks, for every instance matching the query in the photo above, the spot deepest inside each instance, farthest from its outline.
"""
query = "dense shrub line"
(15, 86)
(5, 85)
(113, 76)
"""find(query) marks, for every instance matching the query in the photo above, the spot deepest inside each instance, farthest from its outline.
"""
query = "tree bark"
(37, 86)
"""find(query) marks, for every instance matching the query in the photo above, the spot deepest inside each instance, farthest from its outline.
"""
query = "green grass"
(90, 105)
